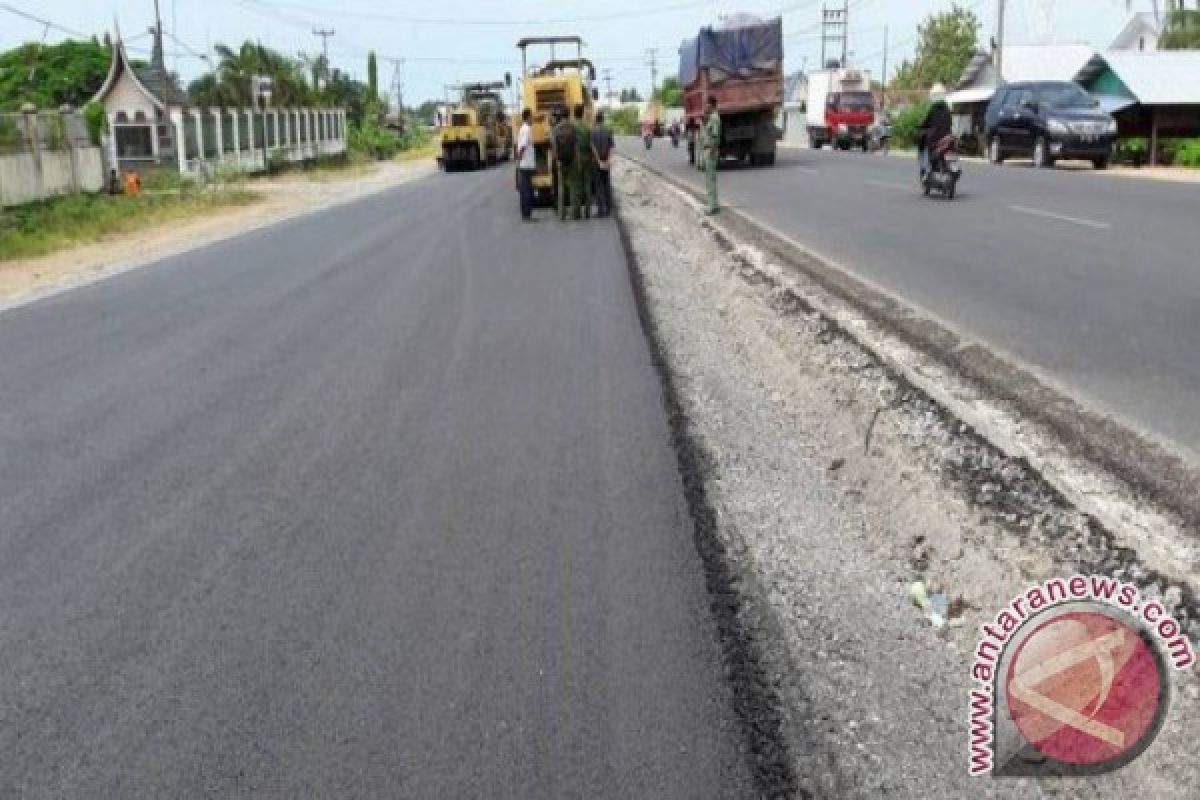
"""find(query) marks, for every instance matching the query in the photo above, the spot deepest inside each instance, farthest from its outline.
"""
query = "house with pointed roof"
(152, 123)
(1140, 34)
(139, 102)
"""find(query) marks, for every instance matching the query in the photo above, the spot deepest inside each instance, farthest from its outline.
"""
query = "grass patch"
(421, 152)
(40, 228)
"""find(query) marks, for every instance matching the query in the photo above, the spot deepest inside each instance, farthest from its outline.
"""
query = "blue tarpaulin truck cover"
(732, 52)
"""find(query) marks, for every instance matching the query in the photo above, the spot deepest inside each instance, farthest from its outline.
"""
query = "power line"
(44, 22)
(460, 21)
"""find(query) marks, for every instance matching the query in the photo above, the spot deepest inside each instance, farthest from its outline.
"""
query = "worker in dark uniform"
(583, 167)
(564, 142)
(711, 143)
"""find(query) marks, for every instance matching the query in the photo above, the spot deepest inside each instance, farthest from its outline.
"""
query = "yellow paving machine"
(477, 132)
(554, 85)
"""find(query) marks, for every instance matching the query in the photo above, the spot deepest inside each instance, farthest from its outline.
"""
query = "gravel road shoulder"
(25, 280)
(834, 485)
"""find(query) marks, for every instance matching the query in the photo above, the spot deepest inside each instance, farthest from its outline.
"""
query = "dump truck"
(740, 63)
(556, 84)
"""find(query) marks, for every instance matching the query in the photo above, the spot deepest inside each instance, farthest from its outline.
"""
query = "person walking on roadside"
(565, 142)
(583, 166)
(526, 165)
(602, 147)
(711, 141)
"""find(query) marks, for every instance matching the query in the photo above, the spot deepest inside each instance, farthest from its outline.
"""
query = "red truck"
(739, 62)
(841, 108)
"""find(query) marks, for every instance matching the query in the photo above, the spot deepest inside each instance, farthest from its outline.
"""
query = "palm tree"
(237, 68)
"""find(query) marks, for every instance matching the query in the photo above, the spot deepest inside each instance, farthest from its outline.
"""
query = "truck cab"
(841, 109)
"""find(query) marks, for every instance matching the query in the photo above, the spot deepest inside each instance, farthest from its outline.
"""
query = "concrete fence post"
(219, 116)
(112, 141)
(33, 136)
(65, 112)
(177, 120)
(198, 120)
(250, 137)
(237, 144)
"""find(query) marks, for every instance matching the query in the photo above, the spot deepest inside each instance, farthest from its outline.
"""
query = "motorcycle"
(944, 169)
(879, 136)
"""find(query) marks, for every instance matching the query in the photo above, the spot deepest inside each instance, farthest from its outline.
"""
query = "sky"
(447, 42)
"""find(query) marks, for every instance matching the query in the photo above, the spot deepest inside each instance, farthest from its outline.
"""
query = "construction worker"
(711, 143)
(602, 147)
(565, 143)
(583, 167)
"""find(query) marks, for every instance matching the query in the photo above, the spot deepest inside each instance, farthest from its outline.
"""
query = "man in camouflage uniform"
(581, 190)
(563, 167)
(711, 142)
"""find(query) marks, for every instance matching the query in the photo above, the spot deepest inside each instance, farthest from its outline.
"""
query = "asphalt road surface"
(1091, 280)
(375, 502)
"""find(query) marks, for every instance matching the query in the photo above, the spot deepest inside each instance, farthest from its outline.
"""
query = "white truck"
(840, 108)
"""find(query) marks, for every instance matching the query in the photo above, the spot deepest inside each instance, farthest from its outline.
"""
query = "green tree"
(1181, 30)
(670, 94)
(945, 44)
(232, 83)
(372, 77)
(343, 91)
(625, 121)
(50, 75)
(427, 112)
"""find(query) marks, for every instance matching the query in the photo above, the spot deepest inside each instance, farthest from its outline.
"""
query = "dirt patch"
(287, 196)
(834, 484)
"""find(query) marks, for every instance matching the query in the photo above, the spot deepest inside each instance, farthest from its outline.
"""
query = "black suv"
(1048, 120)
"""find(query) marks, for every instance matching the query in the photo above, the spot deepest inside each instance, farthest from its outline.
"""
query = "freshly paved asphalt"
(1092, 280)
(377, 502)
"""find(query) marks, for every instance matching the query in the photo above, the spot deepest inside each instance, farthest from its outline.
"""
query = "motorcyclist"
(936, 126)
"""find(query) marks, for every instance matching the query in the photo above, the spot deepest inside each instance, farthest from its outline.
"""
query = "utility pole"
(652, 54)
(883, 77)
(998, 56)
(608, 85)
(834, 31)
(846, 31)
(324, 33)
(162, 66)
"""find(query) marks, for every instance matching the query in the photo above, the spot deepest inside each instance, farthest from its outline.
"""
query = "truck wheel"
(768, 160)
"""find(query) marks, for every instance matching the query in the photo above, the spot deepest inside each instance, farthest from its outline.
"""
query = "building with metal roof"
(1155, 94)
(1140, 34)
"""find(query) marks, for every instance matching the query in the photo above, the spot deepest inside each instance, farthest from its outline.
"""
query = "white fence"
(46, 153)
(248, 140)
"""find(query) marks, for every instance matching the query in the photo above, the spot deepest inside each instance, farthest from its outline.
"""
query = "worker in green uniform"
(583, 164)
(711, 140)
(564, 142)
